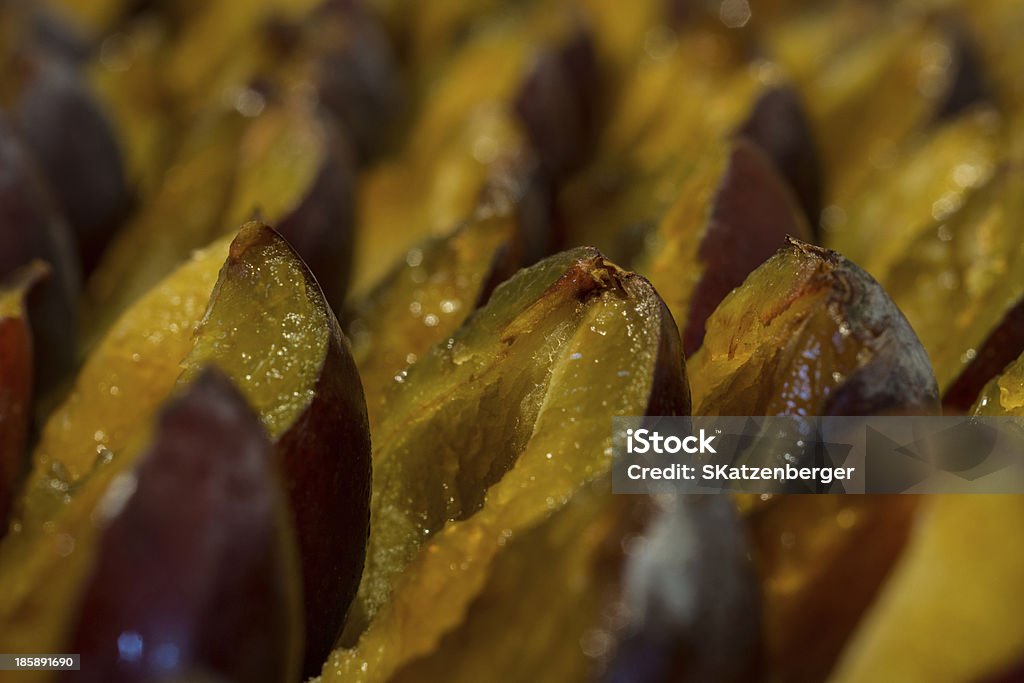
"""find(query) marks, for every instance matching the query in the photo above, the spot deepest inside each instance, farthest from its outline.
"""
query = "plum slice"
(267, 324)
(269, 327)
(491, 429)
(731, 214)
(810, 333)
(32, 227)
(16, 382)
(208, 588)
(425, 298)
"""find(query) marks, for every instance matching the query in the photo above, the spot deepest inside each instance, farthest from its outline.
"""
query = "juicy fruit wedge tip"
(1004, 394)
(268, 326)
(731, 214)
(287, 165)
(809, 333)
(569, 343)
(808, 309)
(130, 372)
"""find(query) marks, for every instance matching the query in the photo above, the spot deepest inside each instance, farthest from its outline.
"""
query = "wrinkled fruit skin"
(202, 588)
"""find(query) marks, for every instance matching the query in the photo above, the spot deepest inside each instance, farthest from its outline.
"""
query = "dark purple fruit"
(16, 356)
(31, 227)
(556, 103)
(74, 143)
(357, 74)
(195, 572)
(1002, 346)
(778, 123)
(691, 596)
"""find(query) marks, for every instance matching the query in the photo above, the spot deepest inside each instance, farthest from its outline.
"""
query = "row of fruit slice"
(493, 542)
